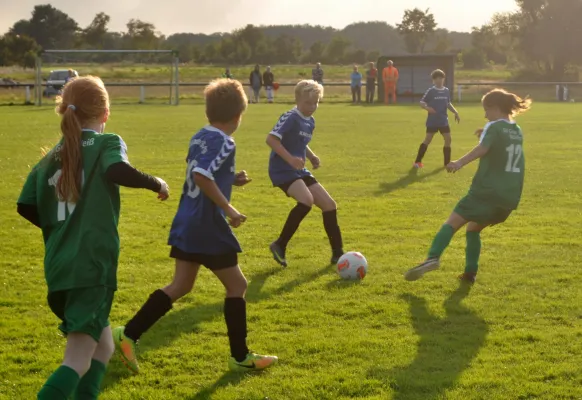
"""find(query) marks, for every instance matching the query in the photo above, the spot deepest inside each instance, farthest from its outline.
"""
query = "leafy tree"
(49, 27)
(336, 49)
(18, 50)
(473, 58)
(96, 33)
(416, 27)
(142, 35)
(374, 55)
(315, 54)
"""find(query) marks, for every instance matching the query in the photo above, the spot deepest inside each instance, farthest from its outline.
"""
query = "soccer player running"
(437, 101)
(289, 141)
(72, 194)
(200, 233)
(496, 188)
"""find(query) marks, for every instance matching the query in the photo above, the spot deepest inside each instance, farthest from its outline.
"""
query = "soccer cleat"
(253, 362)
(126, 348)
(336, 255)
(278, 254)
(468, 277)
(418, 165)
(418, 272)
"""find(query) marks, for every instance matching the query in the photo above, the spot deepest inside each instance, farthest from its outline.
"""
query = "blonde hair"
(508, 103)
(226, 100)
(83, 101)
(308, 87)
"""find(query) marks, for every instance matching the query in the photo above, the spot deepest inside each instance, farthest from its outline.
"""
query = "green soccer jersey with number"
(81, 240)
(499, 179)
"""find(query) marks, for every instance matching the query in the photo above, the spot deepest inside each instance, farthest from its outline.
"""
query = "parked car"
(56, 81)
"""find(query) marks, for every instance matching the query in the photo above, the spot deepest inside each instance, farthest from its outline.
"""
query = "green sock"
(60, 385)
(473, 251)
(90, 384)
(441, 241)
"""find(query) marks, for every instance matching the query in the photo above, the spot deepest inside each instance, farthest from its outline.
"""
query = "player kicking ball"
(289, 142)
(201, 235)
(436, 101)
(496, 188)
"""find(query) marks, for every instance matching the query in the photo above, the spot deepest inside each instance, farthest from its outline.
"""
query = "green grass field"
(517, 334)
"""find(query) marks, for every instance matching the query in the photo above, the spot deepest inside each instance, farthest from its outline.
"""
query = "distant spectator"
(371, 75)
(356, 85)
(390, 77)
(227, 74)
(317, 74)
(268, 81)
(256, 82)
(72, 74)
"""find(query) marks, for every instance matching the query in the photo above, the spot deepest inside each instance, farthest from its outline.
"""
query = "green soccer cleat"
(253, 362)
(278, 254)
(418, 272)
(126, 348)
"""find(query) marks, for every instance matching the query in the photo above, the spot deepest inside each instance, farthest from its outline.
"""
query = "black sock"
(235, 315)
(157, 305)
(333, 231)
(421, 152)
(447, 153)
(297, 214)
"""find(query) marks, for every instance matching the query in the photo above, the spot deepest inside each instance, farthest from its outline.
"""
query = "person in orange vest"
(390, 78)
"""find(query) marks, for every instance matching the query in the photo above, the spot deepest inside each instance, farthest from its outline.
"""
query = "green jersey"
(81, 240)
(499, 179)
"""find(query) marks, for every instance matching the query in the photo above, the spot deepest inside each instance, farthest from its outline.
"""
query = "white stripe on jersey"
(225, 151)
(280, 123)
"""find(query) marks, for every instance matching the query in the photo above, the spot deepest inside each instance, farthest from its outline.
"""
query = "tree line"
(539, 39)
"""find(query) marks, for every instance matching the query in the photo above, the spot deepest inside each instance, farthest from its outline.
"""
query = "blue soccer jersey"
(295, 131)
(200, 225)
(439, 99)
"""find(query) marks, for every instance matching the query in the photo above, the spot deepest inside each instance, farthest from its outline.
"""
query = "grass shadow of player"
(187, 320)
(227, 379)
(446, 348)
(340, 283)
(410, 178)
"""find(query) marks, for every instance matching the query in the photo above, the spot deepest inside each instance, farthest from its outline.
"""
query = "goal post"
(174, 82)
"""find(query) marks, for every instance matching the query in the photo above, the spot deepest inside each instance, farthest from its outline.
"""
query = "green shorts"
(83, 310)
(481, 212)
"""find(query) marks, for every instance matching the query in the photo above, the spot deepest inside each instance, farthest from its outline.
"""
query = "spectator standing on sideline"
(317, 74)
(371, 75)
(256, 82)
(227, 74)
(72, 74)
(268, 81)
(356, 85)
(390, 78)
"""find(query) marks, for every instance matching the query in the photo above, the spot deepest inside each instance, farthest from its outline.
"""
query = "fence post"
(27, 99)
(459, 92)
(141, 94)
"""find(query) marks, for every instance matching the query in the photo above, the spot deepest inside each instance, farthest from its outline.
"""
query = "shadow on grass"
(187, 320)
(227, 379)
(446, 348)
(410, 178)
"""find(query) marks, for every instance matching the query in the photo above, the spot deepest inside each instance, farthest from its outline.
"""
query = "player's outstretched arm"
(124, 174)
(478, 152)
(211, 190)
(452, 109)
(275, 144)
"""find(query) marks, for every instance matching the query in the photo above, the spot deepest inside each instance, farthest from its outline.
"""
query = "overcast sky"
(208, 16)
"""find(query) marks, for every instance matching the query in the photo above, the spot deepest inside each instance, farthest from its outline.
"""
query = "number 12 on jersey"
(513, 156)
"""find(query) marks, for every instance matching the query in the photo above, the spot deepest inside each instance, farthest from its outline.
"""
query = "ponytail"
(69, 184)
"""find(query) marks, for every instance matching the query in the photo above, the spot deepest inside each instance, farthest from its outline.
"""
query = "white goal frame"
(174, 83)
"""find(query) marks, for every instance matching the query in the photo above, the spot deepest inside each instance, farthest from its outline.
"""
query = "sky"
(209, 16)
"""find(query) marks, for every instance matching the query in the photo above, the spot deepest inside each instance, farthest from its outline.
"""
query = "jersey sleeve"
(211, 158)
(285, 125)
(427, 96)
(28, 193)
(114, 151)
(488, 136)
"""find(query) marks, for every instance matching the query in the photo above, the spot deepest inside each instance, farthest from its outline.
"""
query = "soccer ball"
(352, 266)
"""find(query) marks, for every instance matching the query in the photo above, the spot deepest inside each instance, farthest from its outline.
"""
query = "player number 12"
(513, 157)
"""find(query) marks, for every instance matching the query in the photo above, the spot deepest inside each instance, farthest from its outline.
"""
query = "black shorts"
(309, 181)
(213, 262)
(441, 129)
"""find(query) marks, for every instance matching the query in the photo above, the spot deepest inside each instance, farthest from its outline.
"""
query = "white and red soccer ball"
(352, 266)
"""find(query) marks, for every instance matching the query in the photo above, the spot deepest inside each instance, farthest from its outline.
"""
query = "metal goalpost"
(174, 83)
